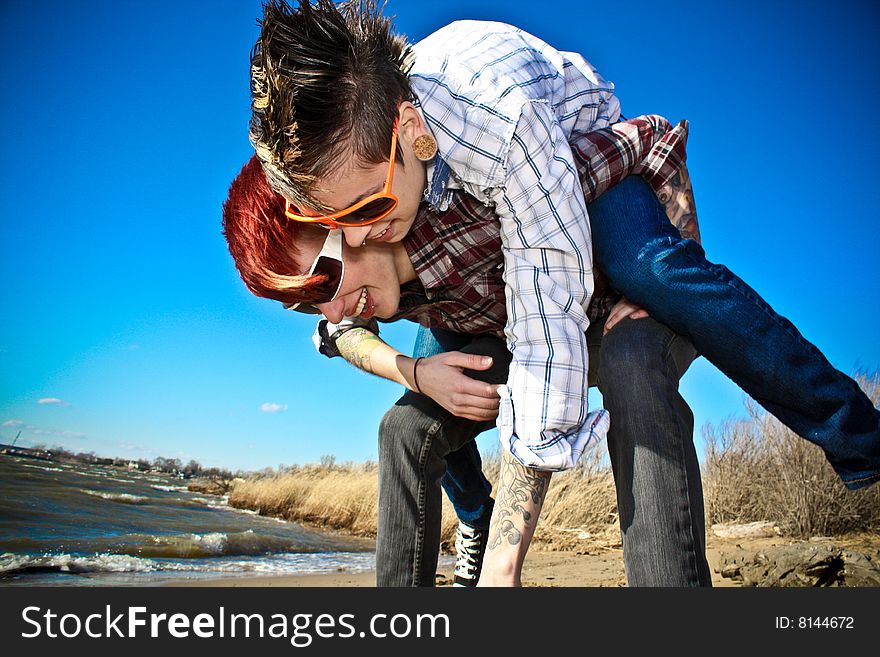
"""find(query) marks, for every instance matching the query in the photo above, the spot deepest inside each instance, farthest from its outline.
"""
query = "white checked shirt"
(503, 106)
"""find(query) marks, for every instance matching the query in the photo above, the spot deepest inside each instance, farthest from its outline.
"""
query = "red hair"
(263, 241)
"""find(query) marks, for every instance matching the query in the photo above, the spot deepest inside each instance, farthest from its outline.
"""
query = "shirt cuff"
(553, 450)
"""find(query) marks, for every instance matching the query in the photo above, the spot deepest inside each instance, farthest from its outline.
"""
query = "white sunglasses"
(329, 263)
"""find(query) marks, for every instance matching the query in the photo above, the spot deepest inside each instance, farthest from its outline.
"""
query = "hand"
(441, 378)
(623, 309)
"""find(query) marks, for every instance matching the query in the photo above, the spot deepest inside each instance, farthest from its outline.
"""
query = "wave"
(191, 501)
(170, 489)
(189, 546)
(224, 505)
(157, 480)
(171, 546)
(122, 498)
(18, 564)
(11, 564)
(41, 467)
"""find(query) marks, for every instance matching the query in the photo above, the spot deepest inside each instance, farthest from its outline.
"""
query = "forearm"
(543, 417)
(544, 420)
(677, 197)
(520, 497)
(368, 352)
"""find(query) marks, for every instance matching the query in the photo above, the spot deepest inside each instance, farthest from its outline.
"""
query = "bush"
(758, 469)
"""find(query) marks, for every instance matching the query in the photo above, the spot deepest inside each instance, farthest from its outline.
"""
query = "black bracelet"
(416, 376)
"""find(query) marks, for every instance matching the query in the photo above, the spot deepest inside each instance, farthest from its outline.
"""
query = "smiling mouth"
(362, 303)
(383, 234)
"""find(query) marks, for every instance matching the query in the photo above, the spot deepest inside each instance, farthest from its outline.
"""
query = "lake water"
(67, 524)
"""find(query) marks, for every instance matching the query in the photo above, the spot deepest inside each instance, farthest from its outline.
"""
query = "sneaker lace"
(468, 550)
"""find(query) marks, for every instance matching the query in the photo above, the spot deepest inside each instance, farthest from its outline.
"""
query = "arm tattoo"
(357, 346)
(677, 197)
(521, 492)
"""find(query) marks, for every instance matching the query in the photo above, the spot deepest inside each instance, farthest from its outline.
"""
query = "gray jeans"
(637, 367)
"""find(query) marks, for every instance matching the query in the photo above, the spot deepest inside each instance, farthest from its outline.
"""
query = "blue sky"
(125, 122)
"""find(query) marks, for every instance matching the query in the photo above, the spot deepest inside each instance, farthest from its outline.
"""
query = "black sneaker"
(470, 546)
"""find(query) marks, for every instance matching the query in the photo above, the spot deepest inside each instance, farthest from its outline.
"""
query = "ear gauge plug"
(424, 147)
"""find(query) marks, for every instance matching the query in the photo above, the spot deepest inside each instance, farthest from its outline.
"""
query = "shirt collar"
(440, 181)
(438, 193)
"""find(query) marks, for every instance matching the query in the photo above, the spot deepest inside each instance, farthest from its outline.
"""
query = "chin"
(387, 308)
(401, 228)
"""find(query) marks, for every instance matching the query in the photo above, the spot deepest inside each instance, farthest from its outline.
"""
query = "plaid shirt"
(458, 257)
(458, 253)
(504, 108)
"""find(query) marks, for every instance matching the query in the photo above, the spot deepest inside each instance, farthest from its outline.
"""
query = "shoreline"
(598, 567)
(593, 564)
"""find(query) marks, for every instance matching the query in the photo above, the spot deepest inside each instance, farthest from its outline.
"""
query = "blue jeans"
(464, 482)
(734, 328)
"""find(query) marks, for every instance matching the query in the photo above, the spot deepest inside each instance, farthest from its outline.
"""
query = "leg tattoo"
(521, 494)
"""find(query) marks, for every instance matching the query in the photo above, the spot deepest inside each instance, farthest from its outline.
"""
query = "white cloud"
(12, 423)
(273, 408)
(52, 400)
(54, 432)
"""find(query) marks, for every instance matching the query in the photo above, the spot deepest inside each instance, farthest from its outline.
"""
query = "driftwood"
(800, 566)
(758, 529)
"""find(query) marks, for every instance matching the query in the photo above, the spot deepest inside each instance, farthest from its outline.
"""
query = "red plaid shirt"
(458, 258)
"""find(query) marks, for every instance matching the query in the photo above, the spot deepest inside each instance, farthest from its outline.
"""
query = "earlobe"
(415, 131)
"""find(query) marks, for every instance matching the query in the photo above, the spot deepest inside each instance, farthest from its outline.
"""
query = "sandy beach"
(594, 566)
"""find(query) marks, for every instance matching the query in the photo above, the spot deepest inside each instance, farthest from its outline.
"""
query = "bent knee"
(633, 351)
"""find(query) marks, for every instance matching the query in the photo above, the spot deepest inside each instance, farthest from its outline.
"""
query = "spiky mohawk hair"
(326, 81)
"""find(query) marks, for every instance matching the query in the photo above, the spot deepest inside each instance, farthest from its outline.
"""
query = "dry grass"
(755, 469)
(338, 497)
(580, 503)
(344, 497)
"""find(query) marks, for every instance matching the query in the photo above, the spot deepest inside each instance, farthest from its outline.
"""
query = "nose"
(334, 310)
(355, 235)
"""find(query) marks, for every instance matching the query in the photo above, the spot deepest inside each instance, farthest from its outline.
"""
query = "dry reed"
(344, 497)
(758, 469)
(337, 497)
(754, 469)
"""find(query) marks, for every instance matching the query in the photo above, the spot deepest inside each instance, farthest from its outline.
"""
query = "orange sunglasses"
(367, 211)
